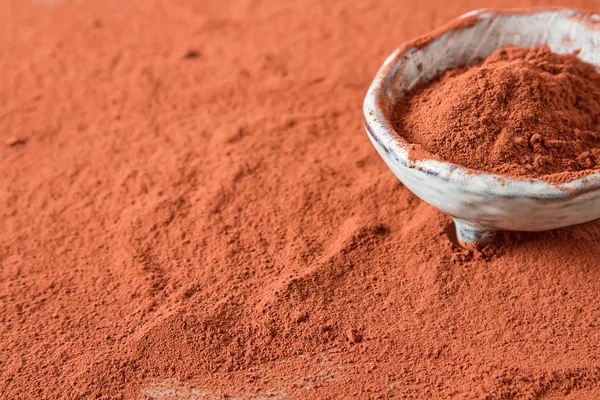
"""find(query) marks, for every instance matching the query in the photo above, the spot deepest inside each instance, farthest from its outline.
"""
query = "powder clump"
(521, 112)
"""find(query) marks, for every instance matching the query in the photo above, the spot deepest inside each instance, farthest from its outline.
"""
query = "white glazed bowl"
(482, 203)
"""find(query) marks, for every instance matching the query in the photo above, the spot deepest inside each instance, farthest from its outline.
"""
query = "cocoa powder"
(520, 112)
(195, 212)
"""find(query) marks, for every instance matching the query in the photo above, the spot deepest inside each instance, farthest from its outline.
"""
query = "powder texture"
(520, 112)
(195, 212)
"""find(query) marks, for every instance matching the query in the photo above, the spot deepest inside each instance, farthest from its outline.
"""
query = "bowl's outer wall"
(490, 200)
(519, 213)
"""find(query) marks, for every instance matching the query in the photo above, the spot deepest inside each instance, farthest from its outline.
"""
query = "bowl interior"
(471, 38)
(564, 31)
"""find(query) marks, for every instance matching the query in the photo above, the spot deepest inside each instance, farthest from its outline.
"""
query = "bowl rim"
(381, 130)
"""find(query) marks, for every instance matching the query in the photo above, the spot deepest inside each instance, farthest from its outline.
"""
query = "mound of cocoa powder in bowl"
(521, 112)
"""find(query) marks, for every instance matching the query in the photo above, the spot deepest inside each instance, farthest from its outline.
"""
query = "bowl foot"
(470, 234)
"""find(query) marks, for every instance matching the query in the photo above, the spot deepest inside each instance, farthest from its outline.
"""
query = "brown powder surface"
(520, 112)
(190, 209)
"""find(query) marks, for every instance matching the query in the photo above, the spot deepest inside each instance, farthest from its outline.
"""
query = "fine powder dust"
(521, 112)
(190, 209)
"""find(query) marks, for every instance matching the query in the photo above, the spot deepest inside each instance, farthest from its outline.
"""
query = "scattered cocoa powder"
(220, 227)
(15, 141)
(520, 112)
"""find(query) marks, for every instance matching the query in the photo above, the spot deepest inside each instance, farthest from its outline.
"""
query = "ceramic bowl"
(483, 203)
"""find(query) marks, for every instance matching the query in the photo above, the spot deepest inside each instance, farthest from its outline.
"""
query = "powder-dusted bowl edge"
(453, 188)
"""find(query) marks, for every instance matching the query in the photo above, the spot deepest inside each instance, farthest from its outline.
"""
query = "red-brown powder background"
(196, 212)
